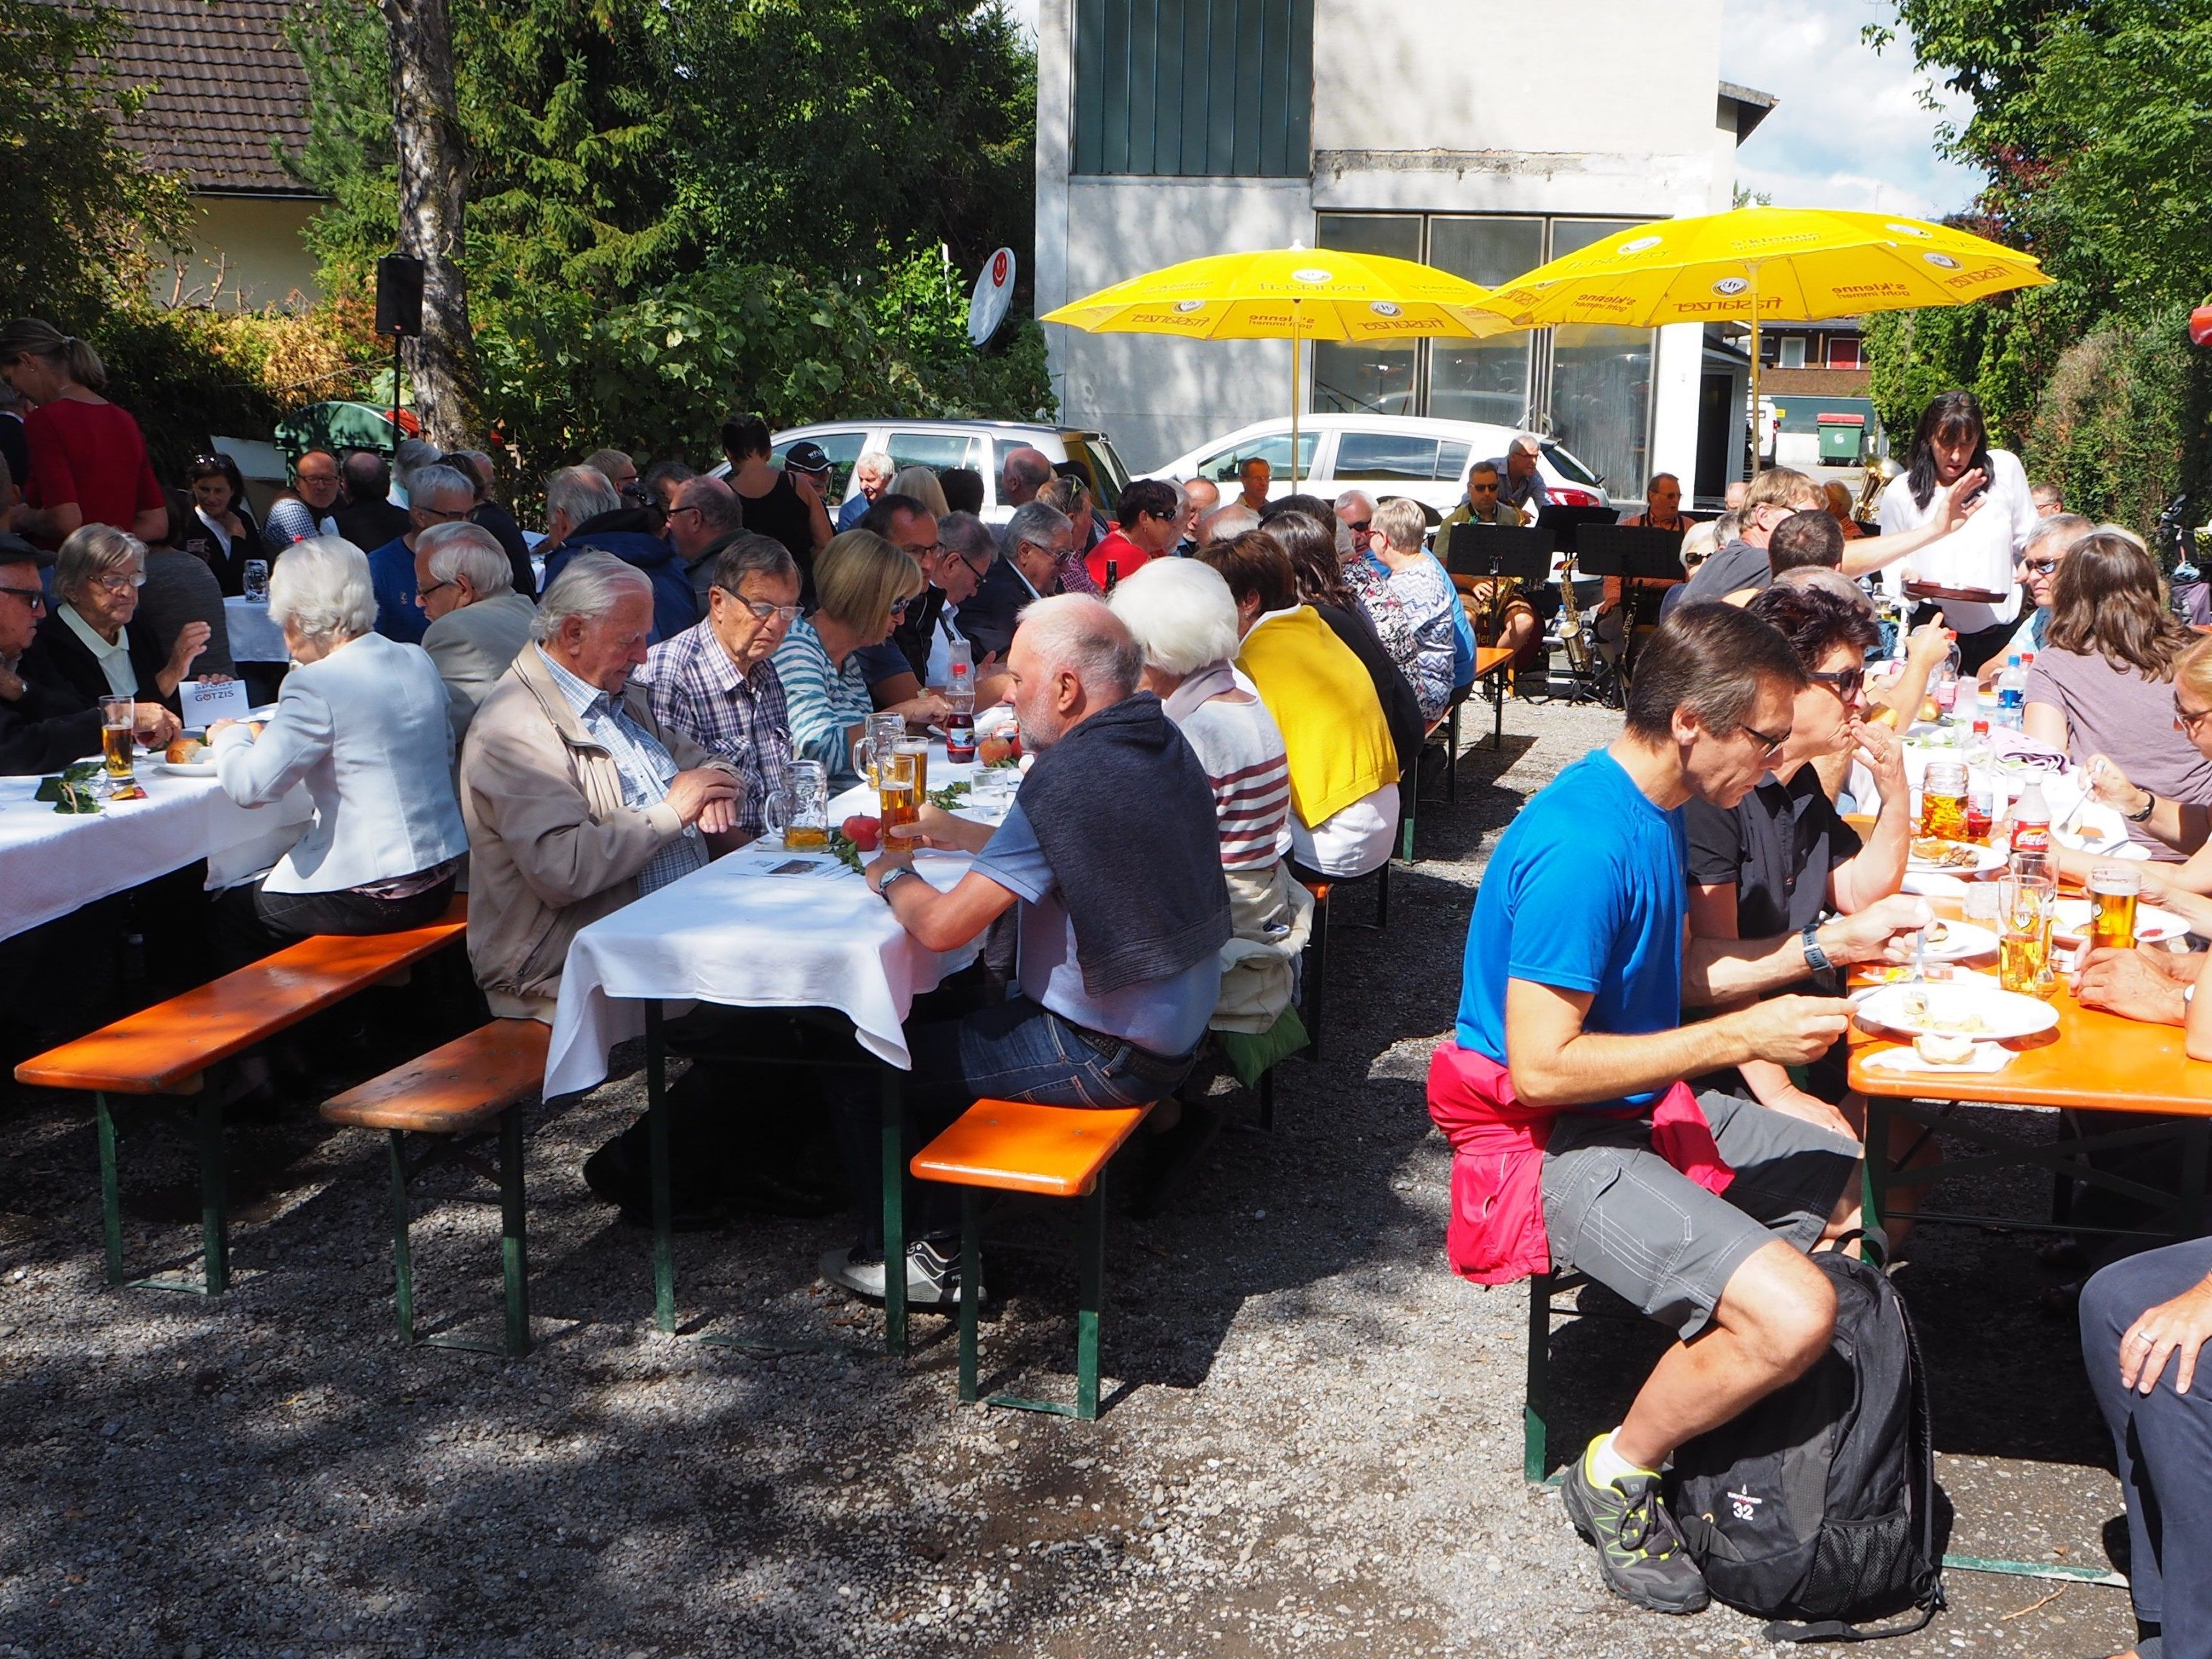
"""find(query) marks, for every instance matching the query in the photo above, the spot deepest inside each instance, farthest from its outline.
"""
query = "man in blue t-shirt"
(1577, 973)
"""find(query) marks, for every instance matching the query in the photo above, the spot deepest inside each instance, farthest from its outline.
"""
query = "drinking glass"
(799, 810)
(898, 799)
(919, 748)
(255, 579)
(880, 737)
(2112, 890)
(2027, 898)
(1943, 800)
(118, 738)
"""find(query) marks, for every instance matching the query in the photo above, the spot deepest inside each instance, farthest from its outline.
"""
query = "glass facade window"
(1589, 388)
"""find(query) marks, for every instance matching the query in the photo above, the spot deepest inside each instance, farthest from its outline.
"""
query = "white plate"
(1986, 858)
(1961, 939)
(186, 768)
(2152, 925)
(1933, 884)
(2002, 1014)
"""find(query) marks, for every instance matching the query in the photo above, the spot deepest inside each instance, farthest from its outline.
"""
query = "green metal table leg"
(1536, 1413)
(656, 1133)
(214, 1221)
(1091, 1272)
(403, 1265)
(514, 1260)
(894, 1156)
(971, 1279)
(1875, 1165)
(111, 1192)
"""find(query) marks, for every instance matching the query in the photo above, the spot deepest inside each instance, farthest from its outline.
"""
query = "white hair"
(1036, 524)
(1226, 524)
(1526, 442)
(92, 551)
(589, 586)
(1076, 631)
(876, 464)
(467, 551)
(1403, 524)
(1354, 497)
(1181, 613)
(581, 493)
(321, 587)
(426, 484)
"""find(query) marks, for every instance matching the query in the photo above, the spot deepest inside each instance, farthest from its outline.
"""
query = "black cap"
(806, 456)
(14, 549)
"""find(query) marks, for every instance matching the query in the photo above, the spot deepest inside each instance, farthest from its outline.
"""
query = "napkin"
(1986, 1057)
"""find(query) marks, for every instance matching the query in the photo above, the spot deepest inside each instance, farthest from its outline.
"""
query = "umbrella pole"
(1757, 410)
(1294, 394)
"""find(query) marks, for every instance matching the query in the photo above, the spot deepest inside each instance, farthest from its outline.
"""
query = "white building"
(1479, 137)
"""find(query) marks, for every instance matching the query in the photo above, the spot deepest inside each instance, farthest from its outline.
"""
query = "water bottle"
(2031, 823)
(960, 693)
(2012, 692)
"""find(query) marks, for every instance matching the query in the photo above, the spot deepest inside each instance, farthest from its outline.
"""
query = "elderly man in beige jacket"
(576, 800)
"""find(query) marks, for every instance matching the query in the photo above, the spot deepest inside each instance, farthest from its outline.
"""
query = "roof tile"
(227, 83)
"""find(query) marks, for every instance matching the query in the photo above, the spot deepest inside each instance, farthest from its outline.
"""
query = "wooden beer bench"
(162, 1055)
(458, 1097)
(1057, 1152)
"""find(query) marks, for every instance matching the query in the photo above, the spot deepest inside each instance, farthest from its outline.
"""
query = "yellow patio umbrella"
(1286, 294)
(1759, 265)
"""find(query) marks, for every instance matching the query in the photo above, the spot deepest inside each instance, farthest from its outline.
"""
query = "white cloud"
(1851, 131)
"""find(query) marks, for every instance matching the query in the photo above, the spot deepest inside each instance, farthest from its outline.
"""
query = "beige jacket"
(551, 847)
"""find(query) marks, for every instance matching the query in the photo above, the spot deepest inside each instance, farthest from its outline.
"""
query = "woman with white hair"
(362, 725)
(92, 645)
(478, 623)
(1184, 619)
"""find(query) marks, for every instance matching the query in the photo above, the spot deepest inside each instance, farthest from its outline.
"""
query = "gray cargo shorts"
(1617, 1212)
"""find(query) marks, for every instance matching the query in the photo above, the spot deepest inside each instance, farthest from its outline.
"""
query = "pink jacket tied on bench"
(1496, 1234)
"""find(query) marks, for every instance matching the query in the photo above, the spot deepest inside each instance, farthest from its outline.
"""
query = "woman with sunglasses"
(2104, 683)
(861, 584)
(1781, 858)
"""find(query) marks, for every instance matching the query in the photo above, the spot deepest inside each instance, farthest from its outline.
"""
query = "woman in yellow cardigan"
(1344, 767)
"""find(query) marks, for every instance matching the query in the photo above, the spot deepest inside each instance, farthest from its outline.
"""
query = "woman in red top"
(88, 463)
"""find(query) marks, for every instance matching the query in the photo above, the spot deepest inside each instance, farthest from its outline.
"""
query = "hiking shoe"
(933, 1276)
(1640, 1553)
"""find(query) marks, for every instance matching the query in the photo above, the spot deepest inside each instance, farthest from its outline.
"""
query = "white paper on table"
(1987, 1057)
(205, 701)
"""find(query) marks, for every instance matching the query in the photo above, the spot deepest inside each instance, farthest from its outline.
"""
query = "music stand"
(1635, 551)
(1489, 550)
(1566, 523)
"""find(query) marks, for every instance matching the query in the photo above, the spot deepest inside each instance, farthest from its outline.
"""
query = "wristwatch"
(891, 878)
(2150, 801)
(1815, 957)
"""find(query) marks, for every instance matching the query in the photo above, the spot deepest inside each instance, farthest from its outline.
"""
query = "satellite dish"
(994, 292)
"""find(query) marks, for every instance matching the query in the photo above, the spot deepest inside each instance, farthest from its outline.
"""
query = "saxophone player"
(1500, 613)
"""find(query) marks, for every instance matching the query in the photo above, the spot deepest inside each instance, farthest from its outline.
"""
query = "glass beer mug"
(798, 808)
(877, 740)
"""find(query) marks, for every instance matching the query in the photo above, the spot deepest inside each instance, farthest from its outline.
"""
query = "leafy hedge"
(2122, 425)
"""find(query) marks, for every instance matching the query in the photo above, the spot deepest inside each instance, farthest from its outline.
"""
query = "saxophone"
(1570, 621)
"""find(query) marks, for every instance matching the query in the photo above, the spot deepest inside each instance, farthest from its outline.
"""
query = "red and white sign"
(994, 292)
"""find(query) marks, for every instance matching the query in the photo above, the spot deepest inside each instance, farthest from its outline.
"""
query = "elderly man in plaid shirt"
(714, 682)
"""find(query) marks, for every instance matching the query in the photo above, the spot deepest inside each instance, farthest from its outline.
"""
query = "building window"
(1790, 351)
(1843, 351)
(1194, 89)
(1589, 388)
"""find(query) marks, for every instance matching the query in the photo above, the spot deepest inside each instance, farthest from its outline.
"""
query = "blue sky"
(1850, 132)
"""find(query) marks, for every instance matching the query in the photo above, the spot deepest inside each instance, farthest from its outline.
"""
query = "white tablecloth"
(254, 637)
(52, 863)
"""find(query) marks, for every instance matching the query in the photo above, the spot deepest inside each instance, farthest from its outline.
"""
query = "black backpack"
(1818, 1504)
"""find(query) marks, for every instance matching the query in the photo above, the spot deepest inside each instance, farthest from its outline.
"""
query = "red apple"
(864, 832)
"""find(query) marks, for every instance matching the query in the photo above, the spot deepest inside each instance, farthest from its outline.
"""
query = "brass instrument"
(1879, 473)
(1570, 621)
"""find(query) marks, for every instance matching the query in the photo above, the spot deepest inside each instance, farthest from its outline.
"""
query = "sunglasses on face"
(1360, 526)
(1845, 682)
(33, 597)
(1489, 488)
(2040, 567)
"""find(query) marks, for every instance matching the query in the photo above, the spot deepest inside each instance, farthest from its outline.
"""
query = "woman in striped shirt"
(1183, 618)
(862, 584)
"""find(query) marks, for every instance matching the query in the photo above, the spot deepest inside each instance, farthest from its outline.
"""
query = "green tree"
(79, 206)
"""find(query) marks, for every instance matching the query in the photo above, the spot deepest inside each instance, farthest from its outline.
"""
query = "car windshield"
(1569, 466)
(1101, 467)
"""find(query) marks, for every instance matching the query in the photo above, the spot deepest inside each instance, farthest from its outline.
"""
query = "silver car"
(981, 446)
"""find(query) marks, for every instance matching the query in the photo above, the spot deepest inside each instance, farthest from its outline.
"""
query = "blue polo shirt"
(392, 573)
(1587, 893)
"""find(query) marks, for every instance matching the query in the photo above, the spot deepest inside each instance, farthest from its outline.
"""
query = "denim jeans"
(1014, 1050)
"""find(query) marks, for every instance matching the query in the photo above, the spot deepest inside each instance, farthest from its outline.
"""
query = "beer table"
(735, 934)
(53, 863)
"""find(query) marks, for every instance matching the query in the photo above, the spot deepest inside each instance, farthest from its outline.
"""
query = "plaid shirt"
(647, 770)
(695, 689)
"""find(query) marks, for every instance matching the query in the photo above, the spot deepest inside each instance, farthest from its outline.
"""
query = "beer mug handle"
(863, 760)
(776, 813)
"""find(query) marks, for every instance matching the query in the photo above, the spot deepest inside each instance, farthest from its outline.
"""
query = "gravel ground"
(1315, 1448)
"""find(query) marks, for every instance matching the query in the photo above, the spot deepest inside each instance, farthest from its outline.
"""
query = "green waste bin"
(1843, 439)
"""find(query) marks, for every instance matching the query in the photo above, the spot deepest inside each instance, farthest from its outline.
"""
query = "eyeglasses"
(761, 610)
(422, 596)
(2040, 567)
(1769, 746)
(120, 585)
(916, 552)
(1489, 488)
(2187, 719)
(1359, 526)
(36, 598)
(1845, 682)
(898, 606)
(979, 570)
(674, 511)
(441, 516)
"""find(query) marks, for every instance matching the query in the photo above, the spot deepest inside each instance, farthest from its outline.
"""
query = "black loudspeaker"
(399, 295)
